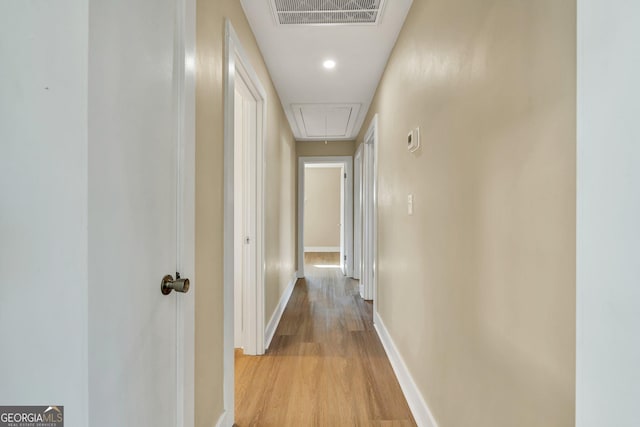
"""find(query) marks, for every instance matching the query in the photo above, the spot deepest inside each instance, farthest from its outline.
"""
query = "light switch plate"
(413, 140)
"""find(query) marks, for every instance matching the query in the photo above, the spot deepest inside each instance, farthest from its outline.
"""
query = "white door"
(343, 252)
(134, 233)
(357, 206)
(245, 214)
(238, 221)
(369, 214)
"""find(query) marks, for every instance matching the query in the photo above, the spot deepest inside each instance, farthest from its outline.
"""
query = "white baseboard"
(222, 421)
(419, 408)
(270, 330)
(322, 248)
(362, 290)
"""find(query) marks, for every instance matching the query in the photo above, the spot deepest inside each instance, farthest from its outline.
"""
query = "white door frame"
(357, 214)
(347, 203)
(237, 65)
(370, 215)
(185, 135)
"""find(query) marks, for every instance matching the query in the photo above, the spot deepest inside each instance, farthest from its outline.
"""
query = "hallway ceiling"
(326, 104)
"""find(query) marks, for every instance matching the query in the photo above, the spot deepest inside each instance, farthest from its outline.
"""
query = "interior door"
(248, 196)
(133, 213)
(245, 207)
(367, 277)
(343, 258)
(238, 220)
(357, 205)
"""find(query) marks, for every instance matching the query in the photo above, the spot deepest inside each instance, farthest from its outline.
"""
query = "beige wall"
(477, 288)
(331, 148)
(322, 207)
(280, 186)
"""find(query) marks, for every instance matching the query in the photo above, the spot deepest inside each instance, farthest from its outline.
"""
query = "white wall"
(322, 207)
(608, 215)
(43, 205)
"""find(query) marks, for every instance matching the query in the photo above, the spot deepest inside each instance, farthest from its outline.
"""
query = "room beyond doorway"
(324, 212)
(325, 209)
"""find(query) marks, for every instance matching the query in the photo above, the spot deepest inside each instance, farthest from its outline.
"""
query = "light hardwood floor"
(325, 366)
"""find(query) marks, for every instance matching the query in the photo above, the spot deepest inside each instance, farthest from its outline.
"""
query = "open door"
(248, 214)
(343, 251)
(357, 214)
(369, 212)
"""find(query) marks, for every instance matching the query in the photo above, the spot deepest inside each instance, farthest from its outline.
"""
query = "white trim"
(228, 364)
(237, 64)
(376, 144)
(184, 47)
(322, 248)
(347, 161)
(324, 166)
(222, 421)
(272, 325)
(419, 408)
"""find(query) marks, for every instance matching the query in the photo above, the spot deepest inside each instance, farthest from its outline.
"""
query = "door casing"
(347, 203)
(238, 65)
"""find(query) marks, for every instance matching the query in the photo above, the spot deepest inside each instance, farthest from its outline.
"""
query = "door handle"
(178, 285)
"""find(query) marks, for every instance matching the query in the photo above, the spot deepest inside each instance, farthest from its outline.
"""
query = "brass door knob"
(178, 285)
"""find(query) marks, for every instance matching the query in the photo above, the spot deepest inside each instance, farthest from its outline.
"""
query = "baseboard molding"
(222, 421)
(270, 330)
(322, 248)
(419, 408)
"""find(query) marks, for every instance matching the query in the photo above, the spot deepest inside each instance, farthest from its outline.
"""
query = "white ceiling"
(326, 104)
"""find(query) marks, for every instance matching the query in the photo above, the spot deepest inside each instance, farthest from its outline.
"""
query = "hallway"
(489, 153)
(326, 365)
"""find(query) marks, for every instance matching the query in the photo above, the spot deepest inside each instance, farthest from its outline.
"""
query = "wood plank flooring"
(325, 366)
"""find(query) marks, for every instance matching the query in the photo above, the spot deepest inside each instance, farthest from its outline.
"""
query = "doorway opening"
(368, 217)
(325, 210)
(324, 213)
(244, 274)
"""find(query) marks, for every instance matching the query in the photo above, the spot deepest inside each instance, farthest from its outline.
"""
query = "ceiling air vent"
(319, 12)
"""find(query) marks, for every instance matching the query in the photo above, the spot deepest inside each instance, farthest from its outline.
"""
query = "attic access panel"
(325, 121)
(327, 12)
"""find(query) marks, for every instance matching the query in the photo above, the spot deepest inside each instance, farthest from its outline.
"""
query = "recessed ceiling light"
(329, 64)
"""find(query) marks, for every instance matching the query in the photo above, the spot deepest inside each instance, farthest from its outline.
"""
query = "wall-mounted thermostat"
(413, 140)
